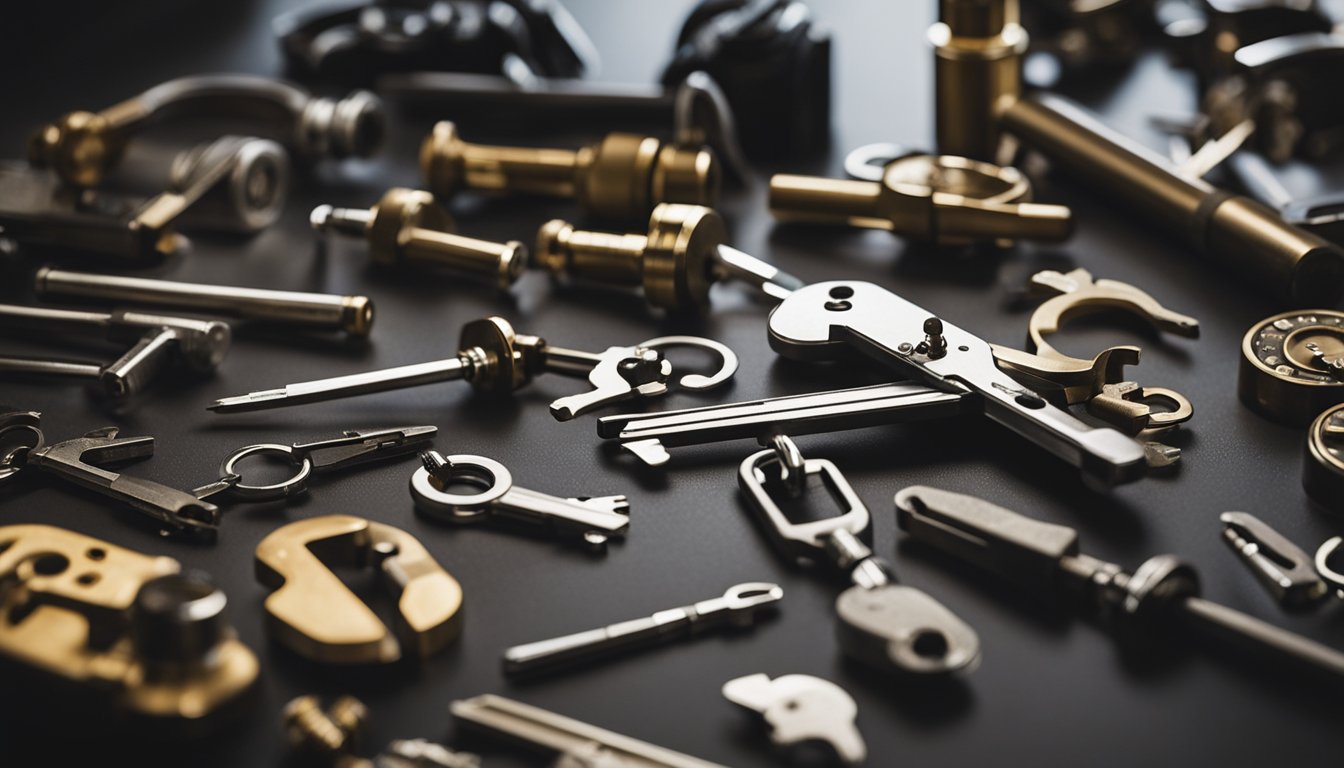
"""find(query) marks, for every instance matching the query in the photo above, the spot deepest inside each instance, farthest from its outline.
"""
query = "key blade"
(998, 540)
(761, 275)
(648, 435)
(529, 725)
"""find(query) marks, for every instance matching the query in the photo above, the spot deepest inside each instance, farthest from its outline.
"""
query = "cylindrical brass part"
(622, 177)
(1294, 266)
(408, 225)
(978, 48)
(828, 201)
(673, 263)
(603, 257)
(500, 263)
(1322, 466)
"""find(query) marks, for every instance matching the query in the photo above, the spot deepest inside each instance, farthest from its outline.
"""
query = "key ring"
(20, 435)
(233, 483)
(428, 484)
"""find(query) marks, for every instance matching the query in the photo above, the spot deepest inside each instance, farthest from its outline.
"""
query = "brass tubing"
(1294, 266)
(828, 201)
(605, 257)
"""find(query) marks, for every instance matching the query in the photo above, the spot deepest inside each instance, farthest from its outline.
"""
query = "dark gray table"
(1052, 689)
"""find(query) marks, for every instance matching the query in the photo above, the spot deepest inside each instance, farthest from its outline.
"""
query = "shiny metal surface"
(351, 314)
(1044, 558)
(352, 449)
(1279, 564)
(590, 521)
(824, 320)
(77, 461)
(578, 744)
(736, 608)
(801, 709)
(886, 626)
(649, 435)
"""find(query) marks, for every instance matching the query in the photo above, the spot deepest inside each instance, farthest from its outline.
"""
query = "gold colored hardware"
(674, 262)
(978, 48)
(326, 734)
(119, 622)
(406, 225)
(622, 177)
(314, 614)
(1292, 365)
(1323, 465)
(942, 199)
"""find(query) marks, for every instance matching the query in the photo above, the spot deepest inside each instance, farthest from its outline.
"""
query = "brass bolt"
(674, 263)
(407, 226)
(331, 734)
(622, 177)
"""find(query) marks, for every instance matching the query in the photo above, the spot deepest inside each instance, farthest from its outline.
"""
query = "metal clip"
(179, 512)
(355, 447)
(313, 613)
(1279, 564)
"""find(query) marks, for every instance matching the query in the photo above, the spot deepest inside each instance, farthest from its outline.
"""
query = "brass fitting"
(622, 177)
(945, 200)
(407, 226)
(979, 46)
(325, 735)
(674, 263)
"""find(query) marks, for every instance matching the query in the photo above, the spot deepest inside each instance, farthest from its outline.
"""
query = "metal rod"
(352, 314)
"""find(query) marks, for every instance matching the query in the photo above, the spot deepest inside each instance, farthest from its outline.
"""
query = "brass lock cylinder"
(622, 177)
(979, 46)
(674, 263)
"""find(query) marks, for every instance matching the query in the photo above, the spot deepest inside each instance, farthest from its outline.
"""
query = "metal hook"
(696, 381)
(1278, 563)
(1078, 294)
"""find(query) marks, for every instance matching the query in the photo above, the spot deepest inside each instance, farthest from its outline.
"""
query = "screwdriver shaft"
(1236, 627)
(448, 369)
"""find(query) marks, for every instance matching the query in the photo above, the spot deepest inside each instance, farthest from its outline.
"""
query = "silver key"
(801, 708)
(576, 744)
(649, 435)
(593, 520)
(737, 607)
(826, 320)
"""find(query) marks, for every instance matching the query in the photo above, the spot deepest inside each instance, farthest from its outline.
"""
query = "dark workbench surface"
(1052, 689)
